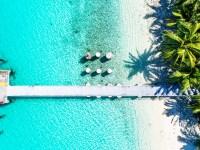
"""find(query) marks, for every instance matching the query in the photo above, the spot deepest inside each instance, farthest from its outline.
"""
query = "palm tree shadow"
(190, 138)
(160, 70)
(153, 69)
(148, 65)
(160, 12)
(156, 71)
(178, 109)
(181, 114)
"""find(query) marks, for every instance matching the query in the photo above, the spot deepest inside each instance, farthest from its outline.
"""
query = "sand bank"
(156, 131)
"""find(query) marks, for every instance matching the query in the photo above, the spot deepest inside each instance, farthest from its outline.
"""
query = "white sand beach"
(156, 131)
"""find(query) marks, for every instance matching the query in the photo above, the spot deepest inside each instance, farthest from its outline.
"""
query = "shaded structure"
(4, 83)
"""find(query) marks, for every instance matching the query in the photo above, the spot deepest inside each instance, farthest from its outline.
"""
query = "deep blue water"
(43, 42)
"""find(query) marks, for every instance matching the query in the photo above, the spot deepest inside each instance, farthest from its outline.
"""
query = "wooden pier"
(84, 91)
(7, 91)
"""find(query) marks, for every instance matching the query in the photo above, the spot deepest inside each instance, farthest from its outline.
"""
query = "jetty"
(6, 90)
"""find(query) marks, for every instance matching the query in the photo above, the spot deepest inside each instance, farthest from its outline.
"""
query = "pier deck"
(7, 91)
(83, 91)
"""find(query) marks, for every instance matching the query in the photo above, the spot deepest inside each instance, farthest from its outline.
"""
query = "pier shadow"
(74, 99)
(55, 99)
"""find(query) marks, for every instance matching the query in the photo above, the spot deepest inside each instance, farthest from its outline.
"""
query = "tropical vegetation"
(180, 48)
(181, 44)
(195, 105)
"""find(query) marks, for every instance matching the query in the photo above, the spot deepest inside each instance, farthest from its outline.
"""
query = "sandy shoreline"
(155, 130)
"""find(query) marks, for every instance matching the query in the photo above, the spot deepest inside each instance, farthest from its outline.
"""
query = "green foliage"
(181, 49)
(186, 79)
(181, 44)
(185, 10)
(195, 106)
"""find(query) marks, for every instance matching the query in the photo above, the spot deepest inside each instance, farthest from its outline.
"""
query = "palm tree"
(186, 80)
(183, 45)
(185, 10)
(195, 105)
(181, 49)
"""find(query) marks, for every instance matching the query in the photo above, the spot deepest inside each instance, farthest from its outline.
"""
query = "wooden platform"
(7, 91)
(84, 91)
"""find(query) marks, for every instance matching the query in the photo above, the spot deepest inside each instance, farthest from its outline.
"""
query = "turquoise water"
(43, 42)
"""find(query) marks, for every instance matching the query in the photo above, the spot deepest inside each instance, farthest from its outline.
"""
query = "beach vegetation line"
(180, 48)
(181, 44)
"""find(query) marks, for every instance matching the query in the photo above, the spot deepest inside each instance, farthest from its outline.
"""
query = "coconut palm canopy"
(181, 48)
(181, 44)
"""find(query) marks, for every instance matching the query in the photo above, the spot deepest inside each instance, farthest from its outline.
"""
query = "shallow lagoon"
(43, 42)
